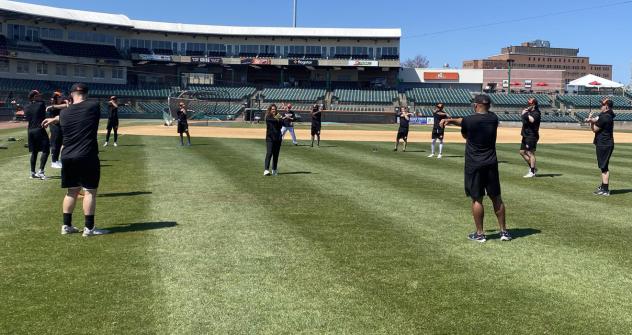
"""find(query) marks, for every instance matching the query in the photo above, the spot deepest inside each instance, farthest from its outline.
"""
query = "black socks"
(89, 221)
(67, 219)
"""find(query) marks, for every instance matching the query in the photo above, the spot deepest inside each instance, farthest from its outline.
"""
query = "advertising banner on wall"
(158, 58)
(206, 60)
(256, 61)
(428, 76)
(303, 62)
(367, 63)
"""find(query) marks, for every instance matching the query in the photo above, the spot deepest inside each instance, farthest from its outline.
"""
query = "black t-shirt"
(531, 129)
(35, 113)
(289, 122)
(53, 112)
(605, 136)
(437, 119)
(480, 132)
(316, 117)
(403, 122)
(182, 117)
(113, 112)
(273, 129)
(79, 125)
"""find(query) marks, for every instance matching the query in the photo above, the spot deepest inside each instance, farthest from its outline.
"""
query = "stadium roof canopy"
(594, 81)
(32, 11)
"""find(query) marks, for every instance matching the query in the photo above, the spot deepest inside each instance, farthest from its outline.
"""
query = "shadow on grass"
(294, 172)
(109, 160)
(516, 233)
(141, 226)
(105, 165)
(549, 175)
(455, 156)
(131, 145)
(122, 194)
(415, 150)
(622, 191)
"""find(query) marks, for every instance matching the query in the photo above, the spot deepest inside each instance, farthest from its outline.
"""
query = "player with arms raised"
(437, 131)
(402, 132)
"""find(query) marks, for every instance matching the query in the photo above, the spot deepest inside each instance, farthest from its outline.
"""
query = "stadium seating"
(293, 94)
(351, 108)
(123, 109)
(225, 93)
(351, 96)
(452, 111)
(432, 96)
(206, 110)
(295, 107)
(518, 100)
(153, 107)
(618, 116)
(583, 101)
(82, 49)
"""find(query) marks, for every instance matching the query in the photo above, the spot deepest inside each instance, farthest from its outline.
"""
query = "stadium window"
(118, 73)
(81, 71)
(41, 68)
(23, 67)
(61, 70)
(98, 72)
(4, 65)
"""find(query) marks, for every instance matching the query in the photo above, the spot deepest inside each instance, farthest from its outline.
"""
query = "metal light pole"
(509, 61)
(294, 9)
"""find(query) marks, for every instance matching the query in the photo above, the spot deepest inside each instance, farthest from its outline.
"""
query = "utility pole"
(294, 9)
(509, 62)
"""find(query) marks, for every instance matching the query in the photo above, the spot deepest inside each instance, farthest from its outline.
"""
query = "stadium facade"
(53, 44)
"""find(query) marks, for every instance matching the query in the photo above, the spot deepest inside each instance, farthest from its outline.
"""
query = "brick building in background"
(538, 55)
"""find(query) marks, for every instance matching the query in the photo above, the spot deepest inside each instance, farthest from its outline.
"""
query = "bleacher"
(618, 115)
(352, 108)
(153, 107)
(293, 94)
(211, 110)
(123, 109)
(365, 97)
(584, 101)
(297, 107)
(432, 96)
(225, 93)
(82, 49)
(452, 111)
(518, 100)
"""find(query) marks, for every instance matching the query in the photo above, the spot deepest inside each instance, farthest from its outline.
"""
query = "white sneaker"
(439, 157)
(93, 232)
(55, 165)
(431, 155)
(106, 144)
(116, 145)
(529, 175)
(266, 173)
(65, 230)
(275, 172)
(41, 175)
(34, 176)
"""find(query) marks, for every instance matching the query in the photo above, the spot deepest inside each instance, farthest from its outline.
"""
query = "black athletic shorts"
(481, 181)
(529, 144)
(80, 172)
(315, 128)
(437, 133)
(112, 123)
(603, 156)
(38, 140)
(402, 133)
(183, 127)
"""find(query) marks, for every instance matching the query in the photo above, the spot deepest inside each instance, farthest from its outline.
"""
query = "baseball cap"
(482, 99)
(113, 97)
(33, 94)
(289, 106)
(79, 87)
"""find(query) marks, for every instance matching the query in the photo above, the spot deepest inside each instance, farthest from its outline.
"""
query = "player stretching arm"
(437, 131)
(603, 127)
(481, 164)
(402, 132)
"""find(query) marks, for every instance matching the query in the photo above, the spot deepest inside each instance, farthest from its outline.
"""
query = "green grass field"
(351, 238)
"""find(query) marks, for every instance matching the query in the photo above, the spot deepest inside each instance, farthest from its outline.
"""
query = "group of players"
(74, 122)
(39, 140)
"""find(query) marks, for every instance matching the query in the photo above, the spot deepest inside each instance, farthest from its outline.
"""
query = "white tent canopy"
(594, 81)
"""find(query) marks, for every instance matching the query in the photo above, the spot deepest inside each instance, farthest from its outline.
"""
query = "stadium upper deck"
(69, 45)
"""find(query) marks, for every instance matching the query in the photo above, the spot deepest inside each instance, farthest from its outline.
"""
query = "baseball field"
(350, 238)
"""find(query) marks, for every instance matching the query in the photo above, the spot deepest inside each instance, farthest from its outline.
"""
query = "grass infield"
(350, 238)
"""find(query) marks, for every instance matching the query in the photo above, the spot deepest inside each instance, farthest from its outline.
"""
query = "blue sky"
(604, 34)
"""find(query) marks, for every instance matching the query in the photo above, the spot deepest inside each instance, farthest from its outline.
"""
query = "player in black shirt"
(35, 113)
(437, 131)
(58, 102)
(402, 132)
(183, 124)
(81, 168)
(274, 139)
(530, 135)
(603, 127)
(316, 123)
(481, 164)
(288, 123)
(113, 121)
